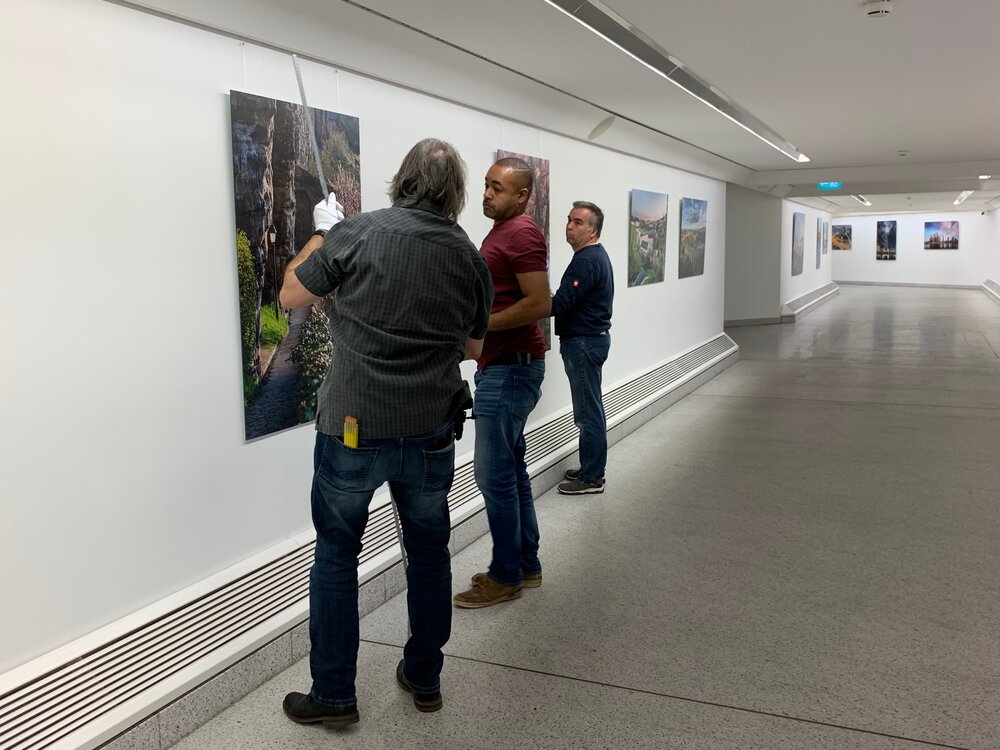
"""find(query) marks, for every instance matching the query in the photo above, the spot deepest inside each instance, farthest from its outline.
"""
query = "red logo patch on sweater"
(576, 282)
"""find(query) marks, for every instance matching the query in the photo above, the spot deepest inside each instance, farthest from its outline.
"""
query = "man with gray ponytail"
(413, 301)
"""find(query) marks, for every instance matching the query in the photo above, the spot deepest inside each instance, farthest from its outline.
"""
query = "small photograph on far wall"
(647, 237)
(826, 237)
(842, 236)
(885, 240)
(694, 217)
(819, 241)
(798, 241)
(940, 235)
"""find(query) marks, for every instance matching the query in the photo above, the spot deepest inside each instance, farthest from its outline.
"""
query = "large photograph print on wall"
(647, 237)
(842, 236)
(885, 240)
(285, 354)
(940, 235)
(538, 210)
(694, 219)
(798, 242)
(819, 241)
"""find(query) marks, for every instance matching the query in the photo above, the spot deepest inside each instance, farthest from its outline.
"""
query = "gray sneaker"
(572, 474)
(579, 487)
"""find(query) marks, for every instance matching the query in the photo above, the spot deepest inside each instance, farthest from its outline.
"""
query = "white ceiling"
(849, 91)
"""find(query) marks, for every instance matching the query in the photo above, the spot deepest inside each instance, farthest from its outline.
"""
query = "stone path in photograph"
(276, 402)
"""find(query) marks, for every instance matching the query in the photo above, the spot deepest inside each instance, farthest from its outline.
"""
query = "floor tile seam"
(840, 401)
(687, 699)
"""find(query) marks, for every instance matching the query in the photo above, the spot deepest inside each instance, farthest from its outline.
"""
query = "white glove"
(327, 213)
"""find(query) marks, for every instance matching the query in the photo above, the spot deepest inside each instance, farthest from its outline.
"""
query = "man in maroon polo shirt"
(509, 384)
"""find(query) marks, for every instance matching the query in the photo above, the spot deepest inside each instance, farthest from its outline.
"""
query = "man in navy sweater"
(582, 310)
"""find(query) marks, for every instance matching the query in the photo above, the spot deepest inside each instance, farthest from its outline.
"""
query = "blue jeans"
(419, 471)
(583, 357)
(505, 396)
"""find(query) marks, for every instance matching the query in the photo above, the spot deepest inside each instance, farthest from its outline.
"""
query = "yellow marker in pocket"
(350, 432)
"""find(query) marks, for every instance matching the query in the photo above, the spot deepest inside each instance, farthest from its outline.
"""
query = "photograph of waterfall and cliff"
(276, 185)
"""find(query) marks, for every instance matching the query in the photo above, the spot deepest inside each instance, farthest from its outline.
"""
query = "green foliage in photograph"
(273, 326)
(312, 355)
(248, 302)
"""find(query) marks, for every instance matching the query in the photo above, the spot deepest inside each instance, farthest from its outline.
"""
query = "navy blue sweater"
(582, 304)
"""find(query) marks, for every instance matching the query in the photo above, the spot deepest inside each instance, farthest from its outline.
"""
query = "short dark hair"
(432, 171)
(524, 173)
(596, 215)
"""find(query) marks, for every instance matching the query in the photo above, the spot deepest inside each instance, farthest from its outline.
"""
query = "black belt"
(514, 358)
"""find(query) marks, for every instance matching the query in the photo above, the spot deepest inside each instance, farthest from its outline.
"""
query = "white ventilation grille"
(37, 714)
(43, 711)
(622, 401)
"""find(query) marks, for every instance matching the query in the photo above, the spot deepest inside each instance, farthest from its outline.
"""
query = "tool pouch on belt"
(461, 401)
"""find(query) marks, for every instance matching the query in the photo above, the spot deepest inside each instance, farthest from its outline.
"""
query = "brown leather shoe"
(531, 580)
(426, 702)
(486, 592)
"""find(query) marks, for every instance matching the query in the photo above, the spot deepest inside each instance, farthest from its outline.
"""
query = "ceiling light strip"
(962, 196)
(631, 40)
(862, 200)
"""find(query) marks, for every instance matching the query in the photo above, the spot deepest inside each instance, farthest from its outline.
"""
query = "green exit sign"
(829, 185)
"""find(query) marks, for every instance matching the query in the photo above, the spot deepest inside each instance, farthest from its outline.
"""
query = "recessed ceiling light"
(862, 200)
(985, 176)
(962, 196)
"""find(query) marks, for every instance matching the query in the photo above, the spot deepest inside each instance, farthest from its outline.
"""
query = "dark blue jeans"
(505, 396)
(583, 357)
(419, 471)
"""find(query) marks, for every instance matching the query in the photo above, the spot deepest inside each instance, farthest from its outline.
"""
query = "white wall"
(975, 261)
(793, 287)
(993, 225)
(125, 474)
(753, 255)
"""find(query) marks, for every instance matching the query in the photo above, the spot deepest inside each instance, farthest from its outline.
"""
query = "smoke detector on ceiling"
(878, 8)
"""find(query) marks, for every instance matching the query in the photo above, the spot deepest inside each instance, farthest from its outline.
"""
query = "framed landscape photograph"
(691, 255)
(885, 240)
(819, 241)
(538, 210)
(940, 235)
(798, 241)
(276, 185)
(647, 238)
(842, 236)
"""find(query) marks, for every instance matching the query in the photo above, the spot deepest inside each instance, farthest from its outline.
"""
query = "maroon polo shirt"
(513, 246)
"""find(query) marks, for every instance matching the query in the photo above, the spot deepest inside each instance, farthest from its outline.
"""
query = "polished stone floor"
(804, 553)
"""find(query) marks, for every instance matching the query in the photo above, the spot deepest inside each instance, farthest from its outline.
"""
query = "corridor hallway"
(803, 553)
